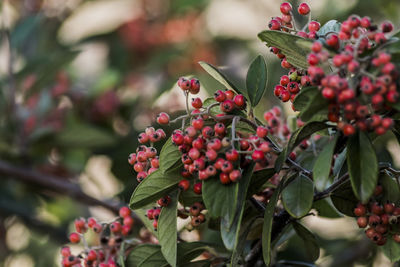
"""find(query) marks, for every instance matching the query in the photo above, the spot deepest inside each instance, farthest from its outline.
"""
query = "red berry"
(386, 26)
(258, 155)
(348, 130)
(74, 238)
(227, 106)
(194, 86)
(197, 103)
(396, 238)
(132, 158)
(274, 25)
(362, 222)
(115, 227)
(284, 80)
(230, 94)
(286, 8)
(303, 9)
(211, 155)
(316, 47)
(235, 175)
(227, 166)
(124, 212)
(293, 87)
(232, 155)
(312, 59)
(163, 118)
(197, 188)
(314, 26)
(198, 123)
(219, 128)
(240, 101)
(92, 255)
(224, 178)
(163, 202)
(389, 208)
(129, 220)
(65, 251)
(184, 83)
(262, 131)
(220, 96)
(360, 210)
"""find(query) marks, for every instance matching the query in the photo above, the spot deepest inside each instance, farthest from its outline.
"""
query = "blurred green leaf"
(344, 199)
(391, 249)
(169, 155)
(310, 243)
(330, 26)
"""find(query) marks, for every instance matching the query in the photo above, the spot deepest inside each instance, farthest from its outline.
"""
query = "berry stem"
(187, 102)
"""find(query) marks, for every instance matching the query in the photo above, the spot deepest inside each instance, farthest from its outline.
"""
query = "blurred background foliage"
(79, 79)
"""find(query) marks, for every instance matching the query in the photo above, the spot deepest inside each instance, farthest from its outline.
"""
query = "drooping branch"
(55, 185)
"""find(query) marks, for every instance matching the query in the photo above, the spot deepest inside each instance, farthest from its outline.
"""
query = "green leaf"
(310, 243)
(391, 249)
(325, 209)
(316, 108)
(214, 110)
(155, 186)
(322, 165)
(169, 155)
(391, 191)
(330, 26)
(230, 229)
(344, 199)
(167, 229)
(304, 97)
(286, 42)
(363, 165)
(220, 200)
(256, 80)
(141, 253)
(297, 196)
(84, 135)
(267, 226)
(188, 251)
(296, 138)
(258, 179)
(217, 75)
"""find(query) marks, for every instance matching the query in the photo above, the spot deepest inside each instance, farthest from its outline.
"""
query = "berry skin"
(286, 8)
(258, 155)
(227, 167)
(65, 251)
(396, 238)
(312, 59)
(227, 106)
(143, 138)
(314, 26)
(132, 158)
(219, 128)
(316, 47)
(303, 9)
(360, 210)
(230, 94)
(232, 155)
(240, 101)
(194, 86)
(293, 87)
(124, 212)
(362, 222)
(262, 131)
(163, 202)
(92, 255)
(197, 188)
(224, 178)
(211, 155)
(116, 227)
(198, 123)
(74, 238)
(163, 118)
(235, 175)
(184, 83)
(348, 130)
(220, 96)
(274, 25)
(197, 103)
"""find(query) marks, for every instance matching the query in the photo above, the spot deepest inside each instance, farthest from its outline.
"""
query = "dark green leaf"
(310, 243)
(325, 209)
(391, 249)
(217, 75)
(25, 29)
(363, 165)
(188, 251)
(258, 179)
(220, 200)
(322, 166)
(344, 199)
(296, 138)
(230, 229)
(316, 108)
(141, 253)
(155, 186)
(256, 80)
(169, 156)
(267, 226)
(214, 110)
(330, 26)
(391, 190)
(304, 97)
(167, 229)
(286, 42)
(297, 196)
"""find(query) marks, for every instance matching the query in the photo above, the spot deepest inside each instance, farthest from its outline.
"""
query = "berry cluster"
(361, 87)
(110, 238)
(382, 220)
(145, 160)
